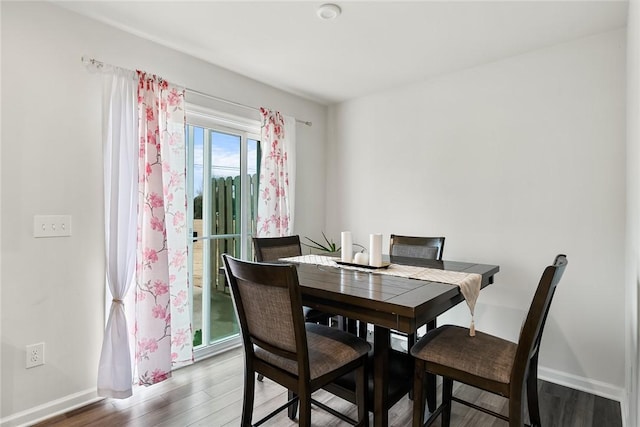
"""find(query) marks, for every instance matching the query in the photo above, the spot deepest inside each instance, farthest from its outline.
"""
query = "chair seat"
(329, 349)
(452, 348)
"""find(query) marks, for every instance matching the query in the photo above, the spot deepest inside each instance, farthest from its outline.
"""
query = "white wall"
(53, 289)
(632, 412)
(514, 162)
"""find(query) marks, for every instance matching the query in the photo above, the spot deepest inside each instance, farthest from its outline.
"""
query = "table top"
(389, 301)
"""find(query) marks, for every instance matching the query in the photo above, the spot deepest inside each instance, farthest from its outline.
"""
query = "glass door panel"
(222, 177)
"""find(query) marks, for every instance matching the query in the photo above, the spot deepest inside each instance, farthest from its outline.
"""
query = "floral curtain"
(163, 326)
(277, 175)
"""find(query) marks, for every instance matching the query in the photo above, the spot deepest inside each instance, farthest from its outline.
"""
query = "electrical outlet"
(51, 225)
(35, 355)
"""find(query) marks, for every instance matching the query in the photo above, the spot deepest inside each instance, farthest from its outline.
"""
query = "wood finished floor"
(209, 393)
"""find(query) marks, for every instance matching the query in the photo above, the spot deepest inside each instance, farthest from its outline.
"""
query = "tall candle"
(375, 250)
(347, 247)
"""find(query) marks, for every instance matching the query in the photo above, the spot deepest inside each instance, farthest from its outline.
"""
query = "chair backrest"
(531, 334)
(416, 247)
(268, 303)
(272, 248)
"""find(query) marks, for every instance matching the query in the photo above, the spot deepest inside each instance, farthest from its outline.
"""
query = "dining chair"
(273, 248)
(416, 247)
(487, 362)
(405, 248)
(280, 345)
(410, 247)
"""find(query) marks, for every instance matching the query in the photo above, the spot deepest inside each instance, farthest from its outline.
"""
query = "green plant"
(328, 246)
(197, 338)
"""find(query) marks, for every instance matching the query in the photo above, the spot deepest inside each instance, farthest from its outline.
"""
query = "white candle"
(347, 247)
(375, 250)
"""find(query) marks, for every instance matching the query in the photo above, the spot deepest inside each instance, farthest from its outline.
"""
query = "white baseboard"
(51, 409)
(587, 385)
(597, 388)
(624, 408)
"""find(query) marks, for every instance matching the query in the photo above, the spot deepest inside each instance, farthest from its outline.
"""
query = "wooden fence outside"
(225, 219)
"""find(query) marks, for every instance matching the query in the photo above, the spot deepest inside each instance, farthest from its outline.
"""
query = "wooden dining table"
(387, 302)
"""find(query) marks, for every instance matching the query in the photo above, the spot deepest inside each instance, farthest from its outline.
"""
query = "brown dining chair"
(273, 248)
(416, 247)
(487, 362)
(410, 247)
(280, 345)
(404, 248)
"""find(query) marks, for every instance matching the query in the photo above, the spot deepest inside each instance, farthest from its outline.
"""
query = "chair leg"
(361, 395)
(292, 410)
(305, 409)
(411, 340)
(431, 378)
(342, 323)
(431, 387)
(418, 394)
(362, 329)
(532, 393)
(352, 326)
(447, 391)
(516, 406)
(247, 403)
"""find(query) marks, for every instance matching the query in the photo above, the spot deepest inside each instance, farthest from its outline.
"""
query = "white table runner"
(469, 283)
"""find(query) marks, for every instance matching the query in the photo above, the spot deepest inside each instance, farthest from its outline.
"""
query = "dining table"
(388, 303)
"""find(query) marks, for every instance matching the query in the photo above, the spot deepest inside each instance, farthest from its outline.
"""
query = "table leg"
(381, 346)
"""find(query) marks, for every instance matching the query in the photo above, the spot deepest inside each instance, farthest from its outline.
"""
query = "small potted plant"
(329, 246)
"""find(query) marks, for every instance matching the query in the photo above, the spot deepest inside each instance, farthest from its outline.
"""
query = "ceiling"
(372, 46)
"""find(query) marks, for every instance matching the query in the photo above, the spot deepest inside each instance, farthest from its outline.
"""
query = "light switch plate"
(51, 225)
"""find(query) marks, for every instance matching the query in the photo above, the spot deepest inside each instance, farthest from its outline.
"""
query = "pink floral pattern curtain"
(162, 324)
(275, 200)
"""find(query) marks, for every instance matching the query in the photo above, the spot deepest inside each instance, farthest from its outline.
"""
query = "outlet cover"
(35, 355)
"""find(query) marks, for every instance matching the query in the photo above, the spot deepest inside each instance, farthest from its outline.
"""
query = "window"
(222, 178)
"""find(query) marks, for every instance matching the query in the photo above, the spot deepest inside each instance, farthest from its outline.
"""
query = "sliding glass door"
(222, 178)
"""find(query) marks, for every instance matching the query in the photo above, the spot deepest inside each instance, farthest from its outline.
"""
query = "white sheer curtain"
(276, 200)
(120, 142)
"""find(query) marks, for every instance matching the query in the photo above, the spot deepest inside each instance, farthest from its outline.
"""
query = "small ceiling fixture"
(329, 11)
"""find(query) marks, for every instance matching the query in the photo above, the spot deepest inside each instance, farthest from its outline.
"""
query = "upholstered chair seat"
(450, 347)
(329, 348)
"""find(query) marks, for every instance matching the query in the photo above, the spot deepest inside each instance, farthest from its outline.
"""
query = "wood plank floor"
(209, 393)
